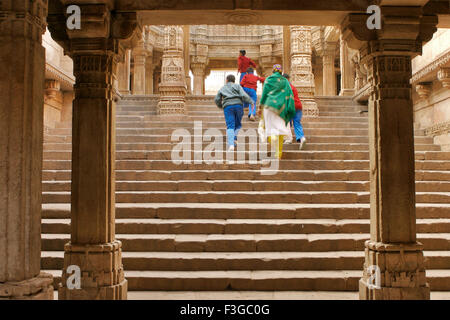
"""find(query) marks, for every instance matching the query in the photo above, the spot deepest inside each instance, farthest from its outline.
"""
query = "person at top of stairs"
(231, 98)
(250, 83)
(244, 63)
(279, 108)
(296, 122)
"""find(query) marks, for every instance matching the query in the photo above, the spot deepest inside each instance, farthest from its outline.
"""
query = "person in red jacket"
(244, 63)
(250, 84)
(298, 128)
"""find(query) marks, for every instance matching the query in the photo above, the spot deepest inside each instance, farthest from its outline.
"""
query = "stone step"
(220, 125)
(246, 185)
(267, 280)
(57, 136)
(242, 226)
(164, 146)
(355, 118)
(277, 165)
(257, 295)
(245, 211)
(247, 242)
(216, 261)
(282, 175)
(167, 133)
(207, 112)
(247, 155)
(354, 110)
(319, 197)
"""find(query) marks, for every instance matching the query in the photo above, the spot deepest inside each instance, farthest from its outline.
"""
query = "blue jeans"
(242, 76)
(233, 118)
(252, 94)
(298, 128)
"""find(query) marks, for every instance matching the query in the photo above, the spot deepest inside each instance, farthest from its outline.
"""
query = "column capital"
(102, 29)
(403, 31)
(29, 21)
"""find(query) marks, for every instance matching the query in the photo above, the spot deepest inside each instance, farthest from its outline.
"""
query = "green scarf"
(278, 96)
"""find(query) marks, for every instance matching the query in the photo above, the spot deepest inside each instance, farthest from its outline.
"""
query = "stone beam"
(392, 252)
(266, 5)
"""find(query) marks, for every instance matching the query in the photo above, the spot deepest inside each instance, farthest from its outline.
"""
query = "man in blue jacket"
(231, 99)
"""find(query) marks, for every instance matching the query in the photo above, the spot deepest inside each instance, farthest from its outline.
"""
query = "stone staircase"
(222, 227)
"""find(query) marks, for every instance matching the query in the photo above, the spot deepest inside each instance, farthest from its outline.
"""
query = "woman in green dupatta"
(278, 107)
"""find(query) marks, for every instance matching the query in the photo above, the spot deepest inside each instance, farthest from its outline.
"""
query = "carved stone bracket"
(444, 77)
(424, 90)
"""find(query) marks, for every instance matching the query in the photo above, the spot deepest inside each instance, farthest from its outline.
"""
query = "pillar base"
(394, 272)
(367, 292)
(102, 275)
(38, 288)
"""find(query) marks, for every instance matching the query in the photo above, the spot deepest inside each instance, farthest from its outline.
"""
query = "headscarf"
(278, 96)
(277, 68)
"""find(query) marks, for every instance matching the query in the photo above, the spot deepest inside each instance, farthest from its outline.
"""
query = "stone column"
(198, 70)
(22, 76)
(286, 48)
(123, 74)
(199, 63)
(149, 69)
(302, 76)
(329, 74)
(139, 57)
(394, 264)
(66, 111)
(347, 74)
(187, 56)
(173, 83)
(93, 248)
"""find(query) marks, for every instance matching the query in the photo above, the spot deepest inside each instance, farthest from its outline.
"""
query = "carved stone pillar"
(302, 76)
(198, 70)
(123, 74)
(394, 263)
(22, 75)
(187, 56)
(139, 57)
(93, 248)
(347, 74)
(198, 64)
(173, 83)
(286, 47)
(149, 69)
(66, 111)
(329, 74)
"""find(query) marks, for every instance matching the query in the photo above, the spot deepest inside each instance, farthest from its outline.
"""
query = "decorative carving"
(302, 76)
(242, 17)
(173, 76)
(438, 129)
(444, 77)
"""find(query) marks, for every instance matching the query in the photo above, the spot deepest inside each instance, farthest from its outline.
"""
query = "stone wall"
(431, 81)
